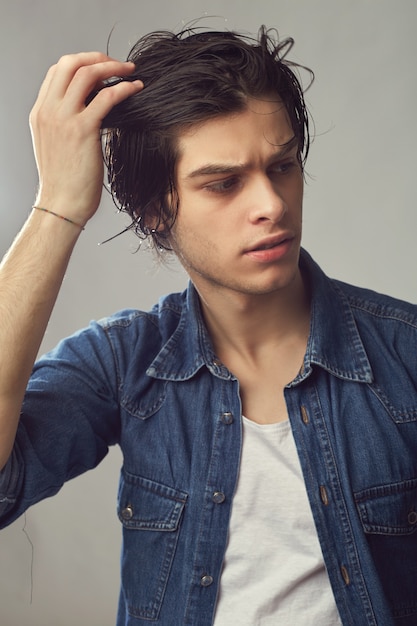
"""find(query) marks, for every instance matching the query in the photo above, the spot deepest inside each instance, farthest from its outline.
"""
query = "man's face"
(240, 190)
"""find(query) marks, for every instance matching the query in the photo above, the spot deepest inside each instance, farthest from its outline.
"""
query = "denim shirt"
(151, 383)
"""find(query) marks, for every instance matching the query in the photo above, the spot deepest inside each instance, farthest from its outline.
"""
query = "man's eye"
(283, 168)
(222, 186)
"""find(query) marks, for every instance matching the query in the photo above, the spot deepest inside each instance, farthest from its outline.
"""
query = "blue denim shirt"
(151, 383)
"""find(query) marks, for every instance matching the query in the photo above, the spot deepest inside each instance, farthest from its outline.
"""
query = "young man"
(267, 416)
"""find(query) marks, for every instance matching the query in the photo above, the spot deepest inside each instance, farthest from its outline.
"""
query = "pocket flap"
(144, 504)
(389, 509)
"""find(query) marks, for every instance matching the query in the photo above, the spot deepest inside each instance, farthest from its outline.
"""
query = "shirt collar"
(189, 348)
(334, 342)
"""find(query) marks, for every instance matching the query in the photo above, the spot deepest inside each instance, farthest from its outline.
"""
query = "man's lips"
(270, 242)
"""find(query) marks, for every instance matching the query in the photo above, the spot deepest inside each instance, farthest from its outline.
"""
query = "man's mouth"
(270, 243)
(268, 246)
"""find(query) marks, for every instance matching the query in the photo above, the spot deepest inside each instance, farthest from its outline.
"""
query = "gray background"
(360, 224)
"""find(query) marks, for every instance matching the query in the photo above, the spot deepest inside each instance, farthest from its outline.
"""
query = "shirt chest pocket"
(150, 514)
(389, 518)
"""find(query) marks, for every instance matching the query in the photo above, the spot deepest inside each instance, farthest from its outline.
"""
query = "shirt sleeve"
(70, 417)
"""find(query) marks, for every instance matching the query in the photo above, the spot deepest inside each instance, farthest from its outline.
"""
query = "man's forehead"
(261, 126)
(272, 103)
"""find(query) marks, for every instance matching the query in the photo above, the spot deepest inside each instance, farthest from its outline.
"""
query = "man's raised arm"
(66, 138)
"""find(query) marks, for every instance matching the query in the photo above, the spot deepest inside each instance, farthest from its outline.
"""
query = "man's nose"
(266, 201)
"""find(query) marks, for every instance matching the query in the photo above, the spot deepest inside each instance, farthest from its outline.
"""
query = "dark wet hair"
(189, 77)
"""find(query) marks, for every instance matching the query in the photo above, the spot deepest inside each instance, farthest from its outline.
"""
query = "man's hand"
(66, 131)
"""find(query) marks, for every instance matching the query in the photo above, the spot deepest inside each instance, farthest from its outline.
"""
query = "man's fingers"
(76, 75)
(105, 99)
(64, 71)
(78, 79)
(60, 75)
(91, 78)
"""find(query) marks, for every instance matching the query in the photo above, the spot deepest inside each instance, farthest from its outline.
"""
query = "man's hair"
(189, 77)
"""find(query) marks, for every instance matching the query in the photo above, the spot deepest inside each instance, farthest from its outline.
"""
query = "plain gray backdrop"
(359, 224)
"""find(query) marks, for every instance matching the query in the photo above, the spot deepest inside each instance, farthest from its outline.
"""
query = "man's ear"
(152, 222)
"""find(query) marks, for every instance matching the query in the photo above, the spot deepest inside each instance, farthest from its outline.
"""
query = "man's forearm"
(31, 274)
(67, 146)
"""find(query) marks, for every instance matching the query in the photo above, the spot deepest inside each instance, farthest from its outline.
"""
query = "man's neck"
(247, 325)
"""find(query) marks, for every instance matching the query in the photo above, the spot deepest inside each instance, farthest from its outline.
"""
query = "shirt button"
(227, 418)
(323, 495)
(127, 513)
(345, 575)
(304, 415)
(217, 362)
(206, 580)
(218, 497)
(412, 518)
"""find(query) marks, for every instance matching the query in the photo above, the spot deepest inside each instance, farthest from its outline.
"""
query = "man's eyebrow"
(226, 168)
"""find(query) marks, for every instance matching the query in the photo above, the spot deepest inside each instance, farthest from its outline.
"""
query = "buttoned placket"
(219, 490)
(327, 502)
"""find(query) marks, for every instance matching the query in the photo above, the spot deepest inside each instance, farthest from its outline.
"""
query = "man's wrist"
(59, 216)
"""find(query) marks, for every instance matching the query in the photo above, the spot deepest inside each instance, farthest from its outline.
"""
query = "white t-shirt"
(273, 571)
